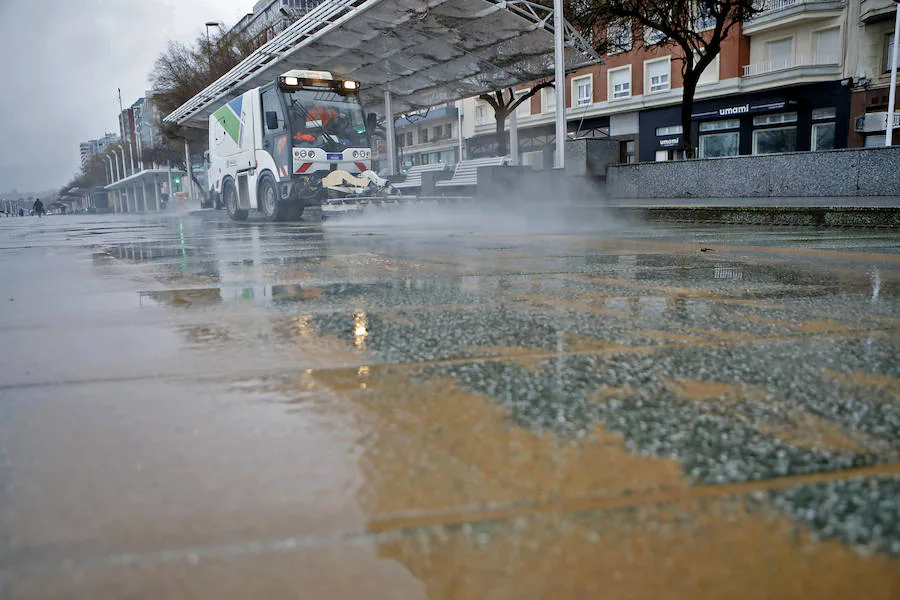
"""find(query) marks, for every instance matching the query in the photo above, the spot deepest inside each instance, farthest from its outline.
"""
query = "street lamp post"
(121, 153)
(559, 80)
(209, 43)
(892, 95)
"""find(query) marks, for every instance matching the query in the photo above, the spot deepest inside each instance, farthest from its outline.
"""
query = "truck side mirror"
(271, 119)
(371, 122)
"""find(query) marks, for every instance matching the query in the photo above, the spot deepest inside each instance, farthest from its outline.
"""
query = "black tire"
(296, 211)
(229, 197)
(269, 199)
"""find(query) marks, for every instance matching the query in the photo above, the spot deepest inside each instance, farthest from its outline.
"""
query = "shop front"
(796, 119)
(537, 143)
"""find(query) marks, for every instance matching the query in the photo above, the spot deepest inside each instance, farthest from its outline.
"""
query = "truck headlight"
(350, 85)
(294, 81)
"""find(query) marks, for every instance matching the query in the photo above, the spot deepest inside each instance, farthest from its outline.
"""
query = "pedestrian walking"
(38, 208)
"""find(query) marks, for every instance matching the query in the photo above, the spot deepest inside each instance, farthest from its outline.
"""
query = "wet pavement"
(191, 407)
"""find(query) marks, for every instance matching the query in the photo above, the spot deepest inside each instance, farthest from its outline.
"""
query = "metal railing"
(798, 60)
(766, 6)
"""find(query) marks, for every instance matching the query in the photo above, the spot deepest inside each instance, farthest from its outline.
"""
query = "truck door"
(276, 132)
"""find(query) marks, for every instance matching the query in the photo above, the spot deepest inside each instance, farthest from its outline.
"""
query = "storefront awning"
(424, 53)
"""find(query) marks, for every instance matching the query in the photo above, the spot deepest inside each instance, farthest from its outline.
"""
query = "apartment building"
(869, 50)
(778, 85)
(801, 75)
(428, 137)
(271, 17)
(98, 146)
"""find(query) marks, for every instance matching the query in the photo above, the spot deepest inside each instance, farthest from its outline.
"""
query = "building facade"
(428, 137)
(96, 147)
(872, 25)
(801, 75)
(271, 17)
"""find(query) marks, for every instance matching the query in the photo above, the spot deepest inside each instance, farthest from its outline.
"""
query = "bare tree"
(182, 71)
(503, 106)
(93, 174)
(696, 28)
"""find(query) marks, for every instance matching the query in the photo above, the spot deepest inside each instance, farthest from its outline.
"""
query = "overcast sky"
(61, 62)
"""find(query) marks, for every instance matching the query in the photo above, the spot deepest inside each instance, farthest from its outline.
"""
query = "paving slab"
(196, 408)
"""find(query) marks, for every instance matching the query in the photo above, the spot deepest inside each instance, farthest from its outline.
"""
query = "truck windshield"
(327, 120)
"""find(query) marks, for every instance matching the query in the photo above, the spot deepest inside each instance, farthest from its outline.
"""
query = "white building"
(98, 146)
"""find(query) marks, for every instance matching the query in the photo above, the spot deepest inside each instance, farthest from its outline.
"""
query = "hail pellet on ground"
(271, 147)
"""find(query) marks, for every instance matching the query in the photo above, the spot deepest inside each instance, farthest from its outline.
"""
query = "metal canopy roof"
(423, 52)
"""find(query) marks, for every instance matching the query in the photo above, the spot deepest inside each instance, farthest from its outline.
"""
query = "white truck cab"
(271, 147)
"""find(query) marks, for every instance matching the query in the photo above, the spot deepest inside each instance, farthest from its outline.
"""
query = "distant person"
(38, 208)
(21, 212)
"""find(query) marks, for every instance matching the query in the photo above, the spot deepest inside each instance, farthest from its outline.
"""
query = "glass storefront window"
(775, 141)
(720, 125)
(822, 136)
(819, 114)
(668, 130)
(716, 145)
(776, 118)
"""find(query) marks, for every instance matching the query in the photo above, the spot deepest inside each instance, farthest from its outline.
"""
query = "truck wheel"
(229, 196)
(296, 211)
(270, 203)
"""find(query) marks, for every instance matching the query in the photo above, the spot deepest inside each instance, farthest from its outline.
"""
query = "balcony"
(776, 13)
(871, 11)
(798, 65)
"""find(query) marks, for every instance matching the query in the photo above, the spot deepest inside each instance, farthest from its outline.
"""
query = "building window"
(423, 136)
(828, 46)
(704, 18)
(548, 99)
(627, 152)
(661, 156)
(481, 116)
(657, 75)
(653, 36)
(888, 49)
(775, 119)
(618, 37)
(775, 140)
(669, 130)
(619, 83)
(780, 54)
(711, 73)
(820, 114)
(409, 138)
(822, 136)
(720, 125)
(524, 109)
(583, 90)
(717, 145)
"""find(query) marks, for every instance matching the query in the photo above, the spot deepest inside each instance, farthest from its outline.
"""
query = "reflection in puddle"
(183, 298)
(360, 333)
(726, 272)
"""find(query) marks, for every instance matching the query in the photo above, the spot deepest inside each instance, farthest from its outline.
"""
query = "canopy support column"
(389, 133)
(559, 32)
(188, 171)
(171, 190)
(513, 138)
(156, 191)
